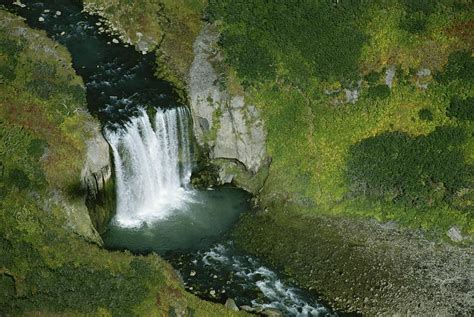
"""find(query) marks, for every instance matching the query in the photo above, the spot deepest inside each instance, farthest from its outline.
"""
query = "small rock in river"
(41, 19)
(115, 41)
(58, 13)
(212, 292)
(192, 273)
(247, 308)
(271, 312)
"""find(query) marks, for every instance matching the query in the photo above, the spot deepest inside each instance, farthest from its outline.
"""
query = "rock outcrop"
(98, 182)
(224, 124)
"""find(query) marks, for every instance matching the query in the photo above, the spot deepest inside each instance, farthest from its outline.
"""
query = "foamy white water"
(248, 271)
(153, 166)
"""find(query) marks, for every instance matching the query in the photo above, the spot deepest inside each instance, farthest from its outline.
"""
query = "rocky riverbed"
(364, 266)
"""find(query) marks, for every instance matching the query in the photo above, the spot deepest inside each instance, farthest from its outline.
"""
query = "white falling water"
(152, 166)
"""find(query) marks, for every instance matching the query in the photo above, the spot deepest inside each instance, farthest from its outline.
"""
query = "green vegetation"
(425, 114)
(379, 91)
(460, 67)
(420, 171)
(295, 60)
(462, 109)
(403, 153)
(45, 267)
(293, 40)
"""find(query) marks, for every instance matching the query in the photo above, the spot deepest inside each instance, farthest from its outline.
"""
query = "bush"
(425, 115)
(379, 91)
(415, 170)
(420, 6)
(372, 78)
(7, 290)
(413, 24)
(18, 178)
(462, 109)
(9, 50)
(37, 148)
(460, 66)
(242, 49)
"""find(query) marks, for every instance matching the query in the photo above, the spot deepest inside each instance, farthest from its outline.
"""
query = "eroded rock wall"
(231, 130)
(98, 181)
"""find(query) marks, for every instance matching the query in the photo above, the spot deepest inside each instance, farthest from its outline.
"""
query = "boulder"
(455, 234)
(272, 312)
(230, 304)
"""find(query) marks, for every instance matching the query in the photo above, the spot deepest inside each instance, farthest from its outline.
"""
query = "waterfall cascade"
(153, 166)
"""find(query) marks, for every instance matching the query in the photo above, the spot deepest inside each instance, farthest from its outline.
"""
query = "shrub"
(7, 290)
(8, 57)
(460, 66)
(18, 178)
(372, 77)
(36, 148)
(379, 91)
(410, 169)
(242, 49)
(425, 115)
(420, 6)
(413, 24)
(462, 109)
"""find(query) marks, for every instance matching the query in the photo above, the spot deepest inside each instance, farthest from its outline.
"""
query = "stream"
(150, 134)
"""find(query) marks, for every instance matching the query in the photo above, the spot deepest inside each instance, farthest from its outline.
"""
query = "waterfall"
(152, 166)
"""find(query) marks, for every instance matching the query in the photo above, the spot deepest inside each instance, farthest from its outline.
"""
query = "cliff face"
(97, 179)
(224, 124)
